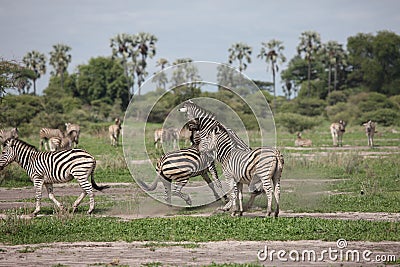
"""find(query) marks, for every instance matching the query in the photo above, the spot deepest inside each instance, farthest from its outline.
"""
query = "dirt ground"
(279, 253)
(185, 254)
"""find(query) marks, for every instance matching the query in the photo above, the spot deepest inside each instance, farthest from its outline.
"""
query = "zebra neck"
(224, 150)
(24, 156)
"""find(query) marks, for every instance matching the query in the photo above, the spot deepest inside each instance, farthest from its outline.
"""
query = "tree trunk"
(273, 81)
(329, 78)
(335, 78)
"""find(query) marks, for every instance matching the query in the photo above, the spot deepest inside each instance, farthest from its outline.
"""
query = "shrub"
(385, 117)
(336, 97)
(295, 122)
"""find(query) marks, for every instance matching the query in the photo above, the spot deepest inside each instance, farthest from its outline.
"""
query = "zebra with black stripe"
(73, 130)
(195, 112)
(45, 134)
(6, 134)
(179, 166)
(241, 167)
(203, 121)
(48, 168)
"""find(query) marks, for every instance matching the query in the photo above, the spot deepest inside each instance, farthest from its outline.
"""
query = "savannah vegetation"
(325, 82)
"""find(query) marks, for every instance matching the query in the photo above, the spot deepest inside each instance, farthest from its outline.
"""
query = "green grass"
(191, 229)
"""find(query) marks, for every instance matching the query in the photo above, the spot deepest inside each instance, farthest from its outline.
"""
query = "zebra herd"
(337, 130)
(260, 168)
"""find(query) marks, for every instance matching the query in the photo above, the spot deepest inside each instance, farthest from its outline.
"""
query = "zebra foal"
(48, 168)
(241, 167)
(45, 134)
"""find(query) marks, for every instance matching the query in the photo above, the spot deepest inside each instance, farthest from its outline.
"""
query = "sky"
(201, 30)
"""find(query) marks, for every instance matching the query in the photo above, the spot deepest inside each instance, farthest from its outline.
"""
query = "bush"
(336, 97)
(311, 106)
(295, 122)
(385, 117)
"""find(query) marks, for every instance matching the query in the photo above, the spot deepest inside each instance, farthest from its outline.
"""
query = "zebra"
(58, 143)
(74, 131)
(370, 131)
(205, 121)
(6, 134)
(45, 134)
(241, 167)
(178, 167)
(337, 131)
(47, 168)
(302, 141)
(167, 135)
(114, 131)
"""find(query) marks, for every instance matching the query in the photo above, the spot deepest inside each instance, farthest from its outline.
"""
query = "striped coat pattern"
(241, 167)
(45, 134)
(177, 167)
(48, 168)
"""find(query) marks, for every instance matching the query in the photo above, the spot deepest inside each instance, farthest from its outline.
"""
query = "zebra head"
(208, 143)
(8, 154)
(342, 125)
(193, 111)
(369, 126)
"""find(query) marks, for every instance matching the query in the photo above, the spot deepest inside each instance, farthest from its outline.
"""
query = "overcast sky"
(202, 30)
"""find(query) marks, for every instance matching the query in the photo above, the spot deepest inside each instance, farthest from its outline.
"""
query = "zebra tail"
(147, 187)
(95, 186)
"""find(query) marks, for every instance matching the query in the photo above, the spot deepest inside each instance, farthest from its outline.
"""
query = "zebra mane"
(6, 143)
(205, 113)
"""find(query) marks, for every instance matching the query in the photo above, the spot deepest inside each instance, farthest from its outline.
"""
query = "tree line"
(320, 72)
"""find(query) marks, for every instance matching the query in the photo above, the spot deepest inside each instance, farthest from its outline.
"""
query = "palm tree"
(242, 53)
(160, 78)
(145, 43)
(272, 52)
(122, 46)
(310, 44)
(333, 56)
(59, 59)
(36, 62)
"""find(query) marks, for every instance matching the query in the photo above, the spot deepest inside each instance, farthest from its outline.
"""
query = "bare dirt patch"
(195, 254)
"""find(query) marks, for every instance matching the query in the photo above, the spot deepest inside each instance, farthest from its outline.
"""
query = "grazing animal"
(301, 141)
(6, 134)
(47, 168)
(241, 167)
(337, 131)
(167, 135)
(178, 167)
(45, 134)
(370, 131)
(59, 143)
(114, 132)
(73, 130)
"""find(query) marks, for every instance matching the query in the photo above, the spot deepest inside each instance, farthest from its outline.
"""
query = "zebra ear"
(217, 129)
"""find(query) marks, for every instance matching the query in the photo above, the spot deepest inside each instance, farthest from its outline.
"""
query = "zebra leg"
(214, 175)
(38, 184)
(268, 191)
(240, 198)
(49, 188)
(252, 198)
(78, 201)
(232, 195)
(210, 184)
(87, 188)
(234, 198)
(178, 192)
(167, 186)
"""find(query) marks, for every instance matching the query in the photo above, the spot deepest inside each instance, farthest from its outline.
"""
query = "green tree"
(35, 61)
(242, 53)
(185, 79)
(310, 43)
(59, 60)
(272, 52)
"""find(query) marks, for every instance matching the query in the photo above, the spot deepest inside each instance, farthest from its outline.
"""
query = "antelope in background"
(370, 131)
(301, 141)
(114, 132)
(337, 131)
